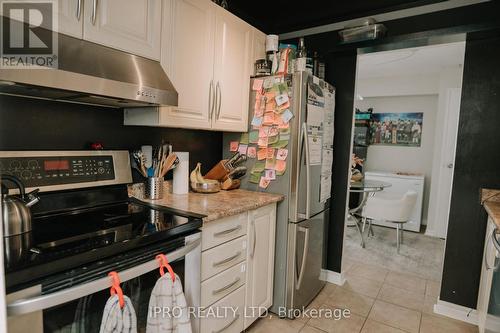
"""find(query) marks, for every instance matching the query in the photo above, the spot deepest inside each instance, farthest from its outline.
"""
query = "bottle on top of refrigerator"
(303, 62)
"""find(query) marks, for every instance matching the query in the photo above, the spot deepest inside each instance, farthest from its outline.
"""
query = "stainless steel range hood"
(93, 74)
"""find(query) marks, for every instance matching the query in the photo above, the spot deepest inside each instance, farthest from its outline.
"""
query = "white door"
(130, 25)
(70, 17)
(233, 54)
(188, 57)
(447, 162)
(260, 259)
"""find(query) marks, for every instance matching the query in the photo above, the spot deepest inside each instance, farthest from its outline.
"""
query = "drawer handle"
(228, 231)
(229, 324)
(225, 261)
(232, 284)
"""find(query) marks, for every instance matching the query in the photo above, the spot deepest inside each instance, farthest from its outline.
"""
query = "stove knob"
(33, 164)
(26, 174)
(100, 170)
(15, 164)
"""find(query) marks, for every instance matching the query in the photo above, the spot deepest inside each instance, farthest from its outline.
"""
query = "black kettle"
(16, 211)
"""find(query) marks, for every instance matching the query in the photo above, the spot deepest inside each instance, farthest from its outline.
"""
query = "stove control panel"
(50, 170)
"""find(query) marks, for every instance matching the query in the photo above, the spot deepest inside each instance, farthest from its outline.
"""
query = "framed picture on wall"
(396, 129)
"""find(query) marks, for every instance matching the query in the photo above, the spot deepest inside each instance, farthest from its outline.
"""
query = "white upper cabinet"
(188, 57)
(232, 69)
(130, 25)
(70, 16)
(208, 53)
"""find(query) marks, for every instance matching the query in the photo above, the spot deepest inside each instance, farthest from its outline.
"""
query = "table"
(368, 188)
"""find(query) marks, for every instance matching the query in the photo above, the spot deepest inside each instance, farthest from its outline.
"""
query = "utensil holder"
(153, 188)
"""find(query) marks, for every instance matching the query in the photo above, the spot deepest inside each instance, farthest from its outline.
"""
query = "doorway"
(405, 128)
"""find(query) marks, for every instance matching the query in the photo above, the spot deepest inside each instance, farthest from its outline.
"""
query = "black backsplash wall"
(32, 124)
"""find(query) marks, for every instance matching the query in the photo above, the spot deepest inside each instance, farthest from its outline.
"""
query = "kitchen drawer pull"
(225, 261)
(228, 324)
(232, 284)
(228, 231)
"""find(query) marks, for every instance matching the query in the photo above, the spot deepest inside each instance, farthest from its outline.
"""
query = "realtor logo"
(28, 36)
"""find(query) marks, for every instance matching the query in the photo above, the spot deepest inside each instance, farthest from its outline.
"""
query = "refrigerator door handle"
(308, 170)
(305, 254)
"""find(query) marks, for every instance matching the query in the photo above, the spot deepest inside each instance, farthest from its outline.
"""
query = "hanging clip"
(116, 289)
(162, 259)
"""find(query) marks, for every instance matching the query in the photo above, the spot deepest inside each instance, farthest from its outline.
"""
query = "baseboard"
(432, 233)
(332, 277)
(457, 312)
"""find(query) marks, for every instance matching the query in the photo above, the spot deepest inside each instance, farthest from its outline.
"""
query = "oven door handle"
(43, 302)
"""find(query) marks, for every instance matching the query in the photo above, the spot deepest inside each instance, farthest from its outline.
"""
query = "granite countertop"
(491, 203)
(213, 205)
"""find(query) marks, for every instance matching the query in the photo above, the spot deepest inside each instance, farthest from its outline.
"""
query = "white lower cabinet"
(260, 262)
(237, 269)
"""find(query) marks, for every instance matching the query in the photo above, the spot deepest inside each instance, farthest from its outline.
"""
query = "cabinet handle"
(254, 238)
(211, 97)
(228, 231)
(78, 9)
(94, 11)
(232, 284)
(495, 242)
(225, 261)
(219, 93)
(229, 324)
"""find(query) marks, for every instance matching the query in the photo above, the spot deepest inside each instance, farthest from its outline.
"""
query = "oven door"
(79, 308)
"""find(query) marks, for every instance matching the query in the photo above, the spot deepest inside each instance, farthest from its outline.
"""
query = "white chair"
(396, 210)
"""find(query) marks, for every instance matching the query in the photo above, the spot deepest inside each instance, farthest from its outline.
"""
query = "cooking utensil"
(168, 165)
(239, 160)
(16, 210)
(229, 163)
(237, 172)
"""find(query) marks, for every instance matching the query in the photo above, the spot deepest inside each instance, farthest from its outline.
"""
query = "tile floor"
(419, 254)
(380, 300)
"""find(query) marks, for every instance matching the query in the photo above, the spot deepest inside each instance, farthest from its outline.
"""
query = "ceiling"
(412, 61)
(281, 16)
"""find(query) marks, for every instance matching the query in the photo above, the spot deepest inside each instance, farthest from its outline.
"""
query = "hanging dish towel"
(168, 299)
(116, 319)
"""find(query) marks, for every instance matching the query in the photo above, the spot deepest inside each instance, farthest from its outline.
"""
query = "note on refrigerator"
(327, 161)
(315, 115)
(314, 149)
(325, 187)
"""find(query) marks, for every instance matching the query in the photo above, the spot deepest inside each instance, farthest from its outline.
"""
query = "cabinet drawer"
(222, 284)
(230, 323)
(222, 257)
(223, 230)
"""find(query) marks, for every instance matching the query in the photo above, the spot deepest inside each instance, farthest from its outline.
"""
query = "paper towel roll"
(181, 174)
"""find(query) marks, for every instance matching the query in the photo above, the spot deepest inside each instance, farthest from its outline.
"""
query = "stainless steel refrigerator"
(302, 217)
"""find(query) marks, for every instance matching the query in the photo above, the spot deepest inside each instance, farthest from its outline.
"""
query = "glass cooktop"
(63, 240)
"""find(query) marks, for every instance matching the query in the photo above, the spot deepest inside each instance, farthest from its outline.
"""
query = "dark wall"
(477, 165)
(341, 72)
(31, 124)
